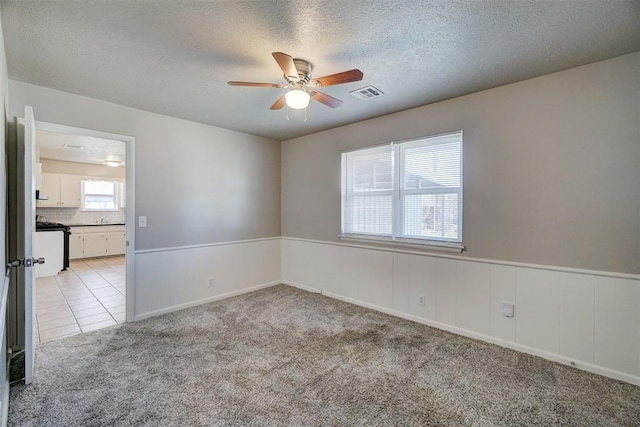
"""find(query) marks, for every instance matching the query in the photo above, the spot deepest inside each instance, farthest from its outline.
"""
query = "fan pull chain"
(287, 114)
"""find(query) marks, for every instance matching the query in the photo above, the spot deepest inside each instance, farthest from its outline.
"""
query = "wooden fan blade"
(281, 102)
(253, 84)
(286, 64)
(325, 99)
(354, 75)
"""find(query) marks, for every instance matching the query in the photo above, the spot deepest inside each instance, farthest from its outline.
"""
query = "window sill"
(450, 247)
(99, 210)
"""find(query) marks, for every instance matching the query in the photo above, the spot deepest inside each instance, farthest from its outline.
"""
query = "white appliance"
(50, 246)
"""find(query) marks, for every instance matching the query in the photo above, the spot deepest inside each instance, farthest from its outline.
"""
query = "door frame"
(130, 209)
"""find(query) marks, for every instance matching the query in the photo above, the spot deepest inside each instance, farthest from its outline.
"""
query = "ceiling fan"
(297, 73)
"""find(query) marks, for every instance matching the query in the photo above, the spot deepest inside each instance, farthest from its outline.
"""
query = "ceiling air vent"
(73, 147)
(365, 93)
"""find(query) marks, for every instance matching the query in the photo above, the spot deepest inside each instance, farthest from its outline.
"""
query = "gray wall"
(551, 168)
(196, 183)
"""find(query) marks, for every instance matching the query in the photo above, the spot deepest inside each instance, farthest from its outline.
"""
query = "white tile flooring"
(89, 295)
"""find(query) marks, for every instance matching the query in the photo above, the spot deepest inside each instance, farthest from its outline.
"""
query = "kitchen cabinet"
(96, 241)
(70, 191)
(116, 242)
(76, 243)
(93, 245)
(50, 188)
(62, 190)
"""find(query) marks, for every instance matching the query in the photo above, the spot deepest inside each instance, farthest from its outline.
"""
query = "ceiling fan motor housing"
(304, 70)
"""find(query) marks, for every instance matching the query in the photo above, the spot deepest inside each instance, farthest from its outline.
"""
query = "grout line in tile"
(56, 284)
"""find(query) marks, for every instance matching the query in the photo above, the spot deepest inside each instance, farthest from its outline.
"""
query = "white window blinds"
(368, 197)
(410, 190)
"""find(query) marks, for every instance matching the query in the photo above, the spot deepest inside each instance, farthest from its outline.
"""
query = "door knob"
(27, 262)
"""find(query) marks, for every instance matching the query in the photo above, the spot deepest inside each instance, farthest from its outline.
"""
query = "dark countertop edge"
(92, 225)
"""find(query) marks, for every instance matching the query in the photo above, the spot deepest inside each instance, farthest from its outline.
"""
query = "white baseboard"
(589, 320)
(204, 300)
(610, 373)
(303, 287)
(502, 343)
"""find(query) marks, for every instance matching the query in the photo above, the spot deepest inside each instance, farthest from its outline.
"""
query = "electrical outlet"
(508, 309)
(212, 282)
(421, 300)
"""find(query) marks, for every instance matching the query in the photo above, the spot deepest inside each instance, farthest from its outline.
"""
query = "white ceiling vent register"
(365, 93)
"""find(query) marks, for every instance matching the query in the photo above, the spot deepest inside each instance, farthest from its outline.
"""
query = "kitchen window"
(408, 192)
(99, 195)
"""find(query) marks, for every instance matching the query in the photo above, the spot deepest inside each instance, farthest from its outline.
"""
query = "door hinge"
(27, 262)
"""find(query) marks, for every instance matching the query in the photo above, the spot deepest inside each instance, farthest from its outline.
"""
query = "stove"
(45, 225)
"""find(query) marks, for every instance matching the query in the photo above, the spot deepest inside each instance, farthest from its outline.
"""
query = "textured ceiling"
(175, 57)
(79, 149)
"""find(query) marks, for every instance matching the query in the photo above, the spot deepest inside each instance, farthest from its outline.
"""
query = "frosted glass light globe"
(297, 99)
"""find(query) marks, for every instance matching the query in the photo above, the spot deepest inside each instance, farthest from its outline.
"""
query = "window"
(407, 192)
(99, 195)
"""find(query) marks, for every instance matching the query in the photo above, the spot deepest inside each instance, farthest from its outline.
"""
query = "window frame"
(83, 193)
(397, 237)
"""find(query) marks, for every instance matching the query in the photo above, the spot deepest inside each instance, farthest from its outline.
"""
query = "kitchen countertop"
(95, 225)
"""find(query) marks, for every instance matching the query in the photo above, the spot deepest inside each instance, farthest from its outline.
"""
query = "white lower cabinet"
(96, 241)
(115, 242)
(76, 242)
(93, 245)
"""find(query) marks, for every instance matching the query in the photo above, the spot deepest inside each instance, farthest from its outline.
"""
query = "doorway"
(84, 179)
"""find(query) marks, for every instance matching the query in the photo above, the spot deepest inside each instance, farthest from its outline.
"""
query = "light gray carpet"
(281, 356)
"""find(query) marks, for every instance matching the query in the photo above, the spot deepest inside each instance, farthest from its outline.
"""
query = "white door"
(29, 237)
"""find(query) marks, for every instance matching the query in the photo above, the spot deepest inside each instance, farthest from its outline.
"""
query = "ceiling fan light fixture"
(297, 73)
(112, 163)
(297, 99)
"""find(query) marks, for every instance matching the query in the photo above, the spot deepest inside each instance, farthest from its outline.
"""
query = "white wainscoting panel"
(617, 324)
(590, 319)
(577, 316)
(538, 302)
(422, 282)
(503, 289)
(400, 282)
(381, 277)
(446, 282)
(171, 279)
(473, 297)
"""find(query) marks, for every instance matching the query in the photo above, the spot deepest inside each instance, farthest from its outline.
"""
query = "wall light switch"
(142, 221)
(507, 309)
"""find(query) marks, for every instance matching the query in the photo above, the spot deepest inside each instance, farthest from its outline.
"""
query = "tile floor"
(89, 295)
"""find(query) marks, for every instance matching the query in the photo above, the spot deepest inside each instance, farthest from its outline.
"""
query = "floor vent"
(365, 93)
